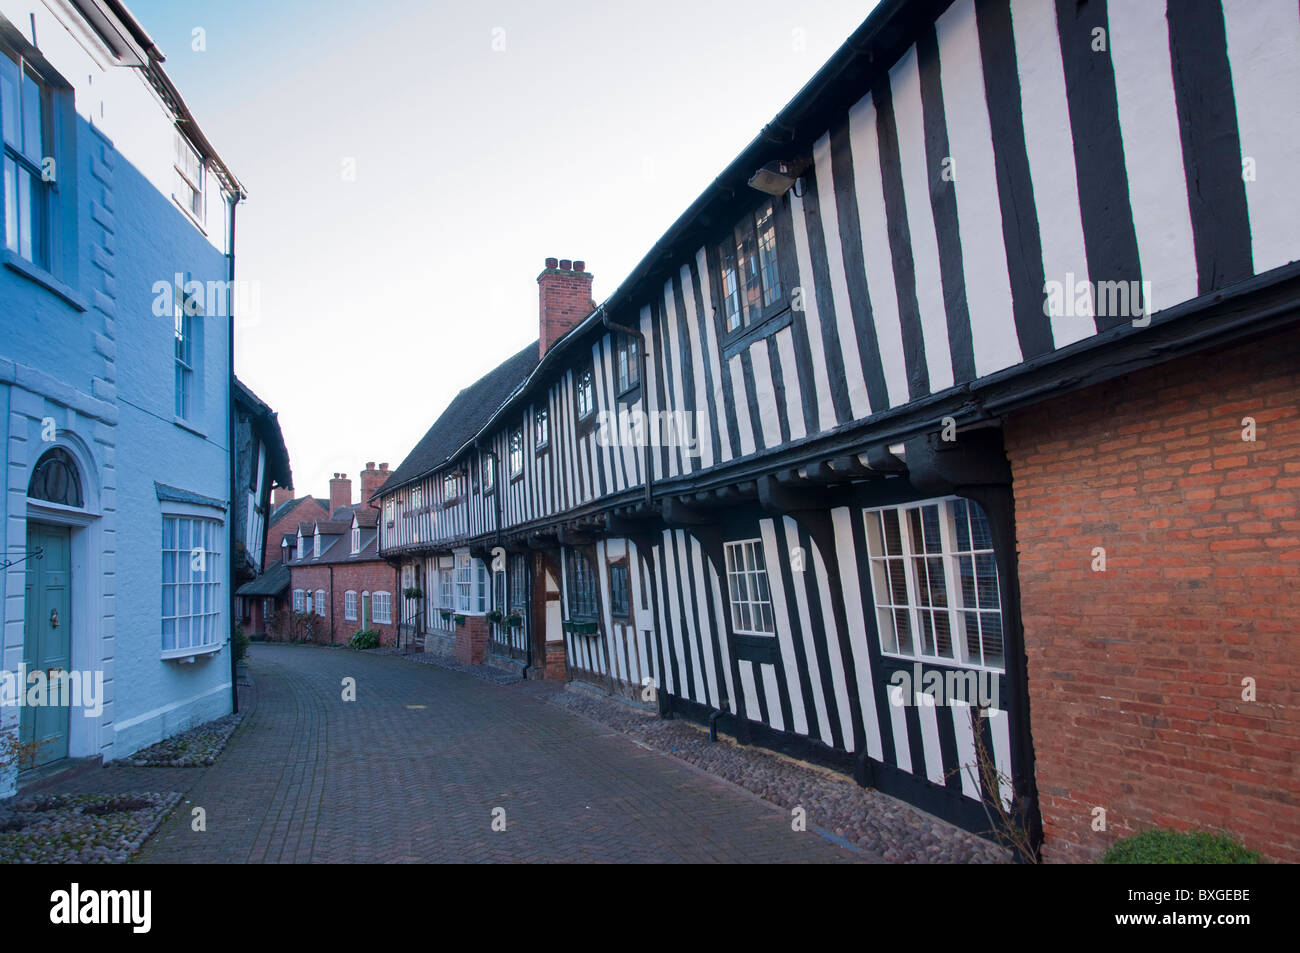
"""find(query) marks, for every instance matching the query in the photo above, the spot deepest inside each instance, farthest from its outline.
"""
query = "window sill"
(186, 425)
(186, 656)
(190, 215)
(43, 278)
(739, 340)
(629, 396)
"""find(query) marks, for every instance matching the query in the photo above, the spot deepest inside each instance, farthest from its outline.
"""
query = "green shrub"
(239, 642)
(364, 639)
(1163, 846)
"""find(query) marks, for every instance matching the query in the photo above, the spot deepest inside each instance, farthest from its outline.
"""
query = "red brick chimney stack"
(564, 290)
(280, 495)
(340, 492)
(372, 479)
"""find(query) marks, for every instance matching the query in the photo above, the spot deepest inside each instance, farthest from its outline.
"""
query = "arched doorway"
(47, 617)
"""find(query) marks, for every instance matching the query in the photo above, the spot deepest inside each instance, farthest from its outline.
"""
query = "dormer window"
(356, 538)
(315, 545)
(302, 553)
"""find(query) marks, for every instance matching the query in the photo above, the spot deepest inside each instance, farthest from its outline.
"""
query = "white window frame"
(320, 603)
(381, 600)
(191, 176)
(746, 581)
(541, 428)
(515, 445)
(915, 608)
(350, 606)
(356, 539)
(488, 472)
(299, 600)
(178, 564)
(315, 545)
(41, 247)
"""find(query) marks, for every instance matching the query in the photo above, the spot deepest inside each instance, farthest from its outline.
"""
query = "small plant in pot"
(413, 592)
(514, 620)
(459, 619)
(445, 614)
(495, 617)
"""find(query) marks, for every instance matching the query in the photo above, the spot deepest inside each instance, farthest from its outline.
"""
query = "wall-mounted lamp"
(778, 176)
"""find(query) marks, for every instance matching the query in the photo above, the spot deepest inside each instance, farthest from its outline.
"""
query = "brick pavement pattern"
(309, 777)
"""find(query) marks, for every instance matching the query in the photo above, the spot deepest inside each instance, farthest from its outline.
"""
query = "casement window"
(320, 602)
(541, 428)
(935, 583)
(382, 606)
(446, 597)
(471, 584)
(747, 588)
(350, 606)
(581, 579)
(299, 601)
(356, 540)
(488, 471)
(518, 567)
(315, 545)
(26, 115)
(388, 511)
(190, 183)
(749, 272)
(183, 322)
(516, 453)
(450, 487)
(191, 583)
(586, 394)
(627, 368)
(417, 497)
(268, 610)
(620, 603)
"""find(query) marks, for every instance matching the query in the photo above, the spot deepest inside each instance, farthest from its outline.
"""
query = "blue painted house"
(115, 387)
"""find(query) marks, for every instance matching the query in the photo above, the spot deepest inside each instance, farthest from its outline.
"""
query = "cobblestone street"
(413, 770)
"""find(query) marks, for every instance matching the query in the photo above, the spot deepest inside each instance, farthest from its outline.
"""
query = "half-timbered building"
(978, 308)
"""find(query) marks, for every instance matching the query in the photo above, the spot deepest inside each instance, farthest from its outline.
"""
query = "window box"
(458, 619)
(578, 627)
(445, 614)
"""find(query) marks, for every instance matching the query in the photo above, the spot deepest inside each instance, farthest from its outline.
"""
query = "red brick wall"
(1135, 673)
(471, 640)
(373, 576)
(305, 512)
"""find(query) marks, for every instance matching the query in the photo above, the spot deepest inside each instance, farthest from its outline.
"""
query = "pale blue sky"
(585, 138)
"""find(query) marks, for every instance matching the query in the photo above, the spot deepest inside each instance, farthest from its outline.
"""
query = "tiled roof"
(465, 416)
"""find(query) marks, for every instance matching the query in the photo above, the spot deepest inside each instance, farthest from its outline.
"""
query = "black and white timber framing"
(955, 158)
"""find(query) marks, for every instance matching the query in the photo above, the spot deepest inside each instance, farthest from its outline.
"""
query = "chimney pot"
(579, 266)
(552, 263)
(566, 265)
(383, 466)
(370, 466)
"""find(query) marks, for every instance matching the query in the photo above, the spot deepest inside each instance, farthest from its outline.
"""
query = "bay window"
(935, 581)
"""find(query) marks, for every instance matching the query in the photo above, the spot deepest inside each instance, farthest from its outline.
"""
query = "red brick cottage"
(336, 572)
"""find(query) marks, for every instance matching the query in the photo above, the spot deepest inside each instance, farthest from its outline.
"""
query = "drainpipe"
(230, 443)
(645, 394)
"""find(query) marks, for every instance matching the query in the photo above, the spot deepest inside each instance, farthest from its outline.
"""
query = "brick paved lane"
(309, 777)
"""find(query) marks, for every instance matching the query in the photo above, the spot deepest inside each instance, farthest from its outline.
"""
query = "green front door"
(47, 635)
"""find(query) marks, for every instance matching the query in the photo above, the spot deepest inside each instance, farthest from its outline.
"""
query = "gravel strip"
(195, 748)
(835, 803)
(80, 828)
